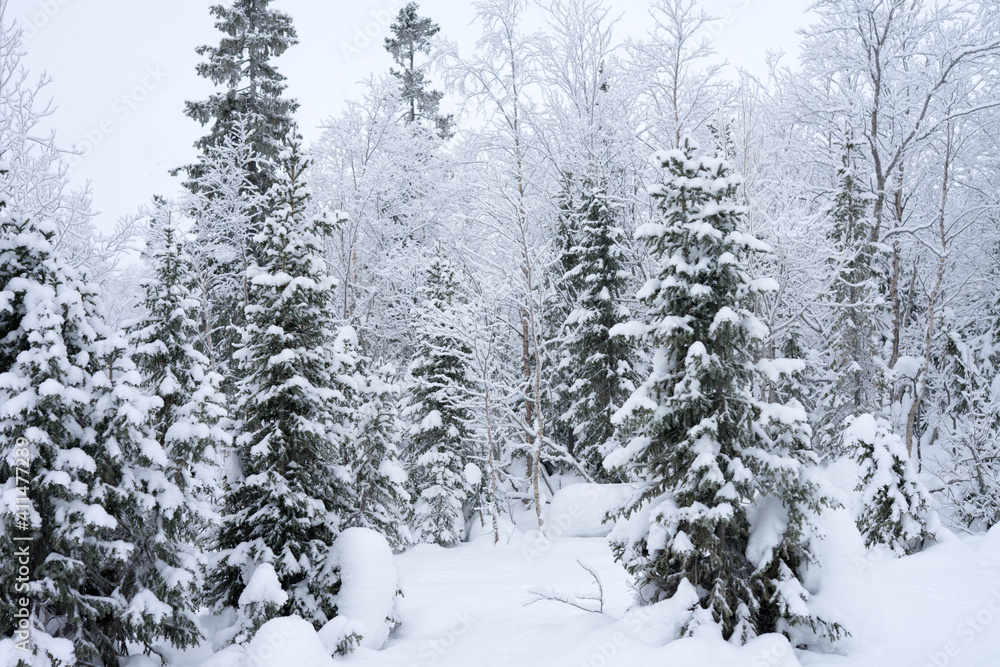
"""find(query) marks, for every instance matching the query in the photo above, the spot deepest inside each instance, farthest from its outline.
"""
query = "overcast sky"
(122, 69)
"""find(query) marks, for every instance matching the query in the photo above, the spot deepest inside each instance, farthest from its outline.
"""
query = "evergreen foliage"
(854, 298)
(440, 378)
(379, 499)
(722, 512)
(895, 506)
(287, 493)
(89, 486)
(412, 35)
(252, 88)
(190, 424)
(598, 366)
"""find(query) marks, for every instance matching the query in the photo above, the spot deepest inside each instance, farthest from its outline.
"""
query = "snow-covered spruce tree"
(166, 344)
(156, 581)
(439, 382)
(243, 65)
(853, 297)
(379, 499)
(801, 379)
(598, 366)
(722, 516)
(247, 120)
(561, 295)
(411, 35)
(894, 508)
(286, 492)
(86, 485)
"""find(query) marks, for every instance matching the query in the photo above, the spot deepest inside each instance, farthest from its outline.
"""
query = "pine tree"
(411, 35)
(598, 366)
(440, 434)
(852, 389)
(719, 471)
(166, 342)
(894, 507)
(92, 494)
(253, 89)
(380, 500)
(286, 497)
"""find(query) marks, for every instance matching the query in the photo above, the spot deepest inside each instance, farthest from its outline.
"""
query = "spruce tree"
(562, 296)
(379, 499)
(598, 366)
(286, 496)
(90, 483)
(440, 378)
(166, 344)
(247, 120)
(252, 88)
(852, 388)
(722, 514)
(156, 582)
(894, 508)
(411, 36)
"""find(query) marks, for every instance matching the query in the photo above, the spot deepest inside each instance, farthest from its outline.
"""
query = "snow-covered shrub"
(369, 584)
(894, 507)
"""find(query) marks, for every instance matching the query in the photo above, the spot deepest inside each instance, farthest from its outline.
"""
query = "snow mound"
(473, 475)
(369, 582)
(661, 623)
(289, 641)
(286, 642)
(990, 545)
(579, 510)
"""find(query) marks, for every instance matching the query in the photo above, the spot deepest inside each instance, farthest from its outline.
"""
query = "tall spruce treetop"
(242, 63)
(721, 518)
(411, 35)
(283, 507)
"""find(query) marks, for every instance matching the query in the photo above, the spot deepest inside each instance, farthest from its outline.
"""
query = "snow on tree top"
(263, 587)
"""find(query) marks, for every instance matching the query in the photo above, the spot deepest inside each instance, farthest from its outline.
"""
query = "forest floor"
(471, 605)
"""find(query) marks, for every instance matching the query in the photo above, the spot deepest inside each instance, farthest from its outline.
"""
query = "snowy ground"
(469, 606)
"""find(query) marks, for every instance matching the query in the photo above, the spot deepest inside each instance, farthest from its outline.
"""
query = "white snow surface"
(468, 605)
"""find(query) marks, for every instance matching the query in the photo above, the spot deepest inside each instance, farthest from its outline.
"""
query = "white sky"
(122, 69)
